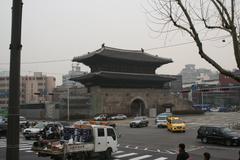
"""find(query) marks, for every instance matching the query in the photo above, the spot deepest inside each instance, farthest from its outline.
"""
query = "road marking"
(145, 149)
(141, 157)
(126, 155)
(161, 158)
(29, 151)
(23, 149)
(118, 152)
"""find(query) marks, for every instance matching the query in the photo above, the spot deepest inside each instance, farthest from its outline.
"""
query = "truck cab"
(105, 138)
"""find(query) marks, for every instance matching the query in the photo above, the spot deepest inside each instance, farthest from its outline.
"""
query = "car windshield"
(39, 125)
(226, 130)
(138, 118)
(177, 121)
(161, 118)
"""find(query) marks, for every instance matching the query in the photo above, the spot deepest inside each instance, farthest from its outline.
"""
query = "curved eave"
(120, 54)
(118, 79)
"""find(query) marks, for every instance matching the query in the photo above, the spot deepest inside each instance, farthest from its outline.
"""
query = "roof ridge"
(137, 51)
(122, 50)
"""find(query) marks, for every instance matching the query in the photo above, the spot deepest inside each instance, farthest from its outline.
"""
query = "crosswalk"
(120, 155)
(23, 145)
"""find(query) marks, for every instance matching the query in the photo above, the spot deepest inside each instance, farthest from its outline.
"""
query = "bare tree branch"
(183, 15)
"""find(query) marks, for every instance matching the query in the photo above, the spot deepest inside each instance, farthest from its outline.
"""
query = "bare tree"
(188, 15)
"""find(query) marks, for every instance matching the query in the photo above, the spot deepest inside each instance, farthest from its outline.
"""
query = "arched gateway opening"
(137, 108)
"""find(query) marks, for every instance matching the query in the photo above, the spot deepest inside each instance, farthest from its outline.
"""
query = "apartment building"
(33, 89)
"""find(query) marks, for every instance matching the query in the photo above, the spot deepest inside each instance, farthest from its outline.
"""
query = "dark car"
(141, 121)
(3, 127)
(221, 135)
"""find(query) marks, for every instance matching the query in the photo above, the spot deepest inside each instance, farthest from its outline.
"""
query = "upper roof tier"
(121, 54)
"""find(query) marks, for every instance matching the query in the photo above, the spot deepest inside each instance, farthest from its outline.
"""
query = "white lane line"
(29, 151)
(118, 152)
(23, 149)
(161, 158)
(141, 157)
(126, 155)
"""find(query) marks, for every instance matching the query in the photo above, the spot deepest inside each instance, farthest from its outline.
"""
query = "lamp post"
(68, 103)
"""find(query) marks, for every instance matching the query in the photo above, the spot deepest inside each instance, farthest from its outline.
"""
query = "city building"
(75, 72)
(124, 81)
(228, 81)
(33, 89)
(191, 75)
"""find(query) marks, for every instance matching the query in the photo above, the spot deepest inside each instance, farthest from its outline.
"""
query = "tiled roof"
(131, 55)
(126, 76)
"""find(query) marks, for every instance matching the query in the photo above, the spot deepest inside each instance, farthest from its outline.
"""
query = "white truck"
(103, 141)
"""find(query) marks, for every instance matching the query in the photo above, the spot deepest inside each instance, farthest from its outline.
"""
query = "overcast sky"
(63, 29)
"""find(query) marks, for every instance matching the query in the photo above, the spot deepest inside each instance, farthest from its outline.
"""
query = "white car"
(34, 132)
(119, 117)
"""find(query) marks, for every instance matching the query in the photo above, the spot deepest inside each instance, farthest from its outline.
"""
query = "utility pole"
(12, 152)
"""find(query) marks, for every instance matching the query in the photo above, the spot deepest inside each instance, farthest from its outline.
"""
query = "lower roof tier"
(123, 80)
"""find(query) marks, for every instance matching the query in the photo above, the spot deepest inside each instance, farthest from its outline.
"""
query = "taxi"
(176, 124)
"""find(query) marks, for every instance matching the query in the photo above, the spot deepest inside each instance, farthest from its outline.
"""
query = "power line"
(35, 62)
(149, 49)
(184, 43)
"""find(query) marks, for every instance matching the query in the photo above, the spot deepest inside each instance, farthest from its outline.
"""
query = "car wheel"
(228, 143)
(27, 138)
(131, 126)
(108, 154)
(204, 140)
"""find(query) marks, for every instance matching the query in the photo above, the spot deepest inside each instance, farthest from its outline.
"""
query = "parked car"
(140, 121)
(221, 135)
(176, 124)
(101, 117)
(3, 127)
(165, 114)
(118, 117)
(35, 131)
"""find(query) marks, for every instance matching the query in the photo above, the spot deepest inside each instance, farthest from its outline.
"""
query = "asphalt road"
(152, 143)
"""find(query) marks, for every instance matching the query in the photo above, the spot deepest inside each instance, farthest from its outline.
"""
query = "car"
(175, 124)
(140, 121)
(165, 114)
(3, 127)
(118, 117)
(22, 121)
(101, 117)
(161, 121)
(35, 131)
(218, 134)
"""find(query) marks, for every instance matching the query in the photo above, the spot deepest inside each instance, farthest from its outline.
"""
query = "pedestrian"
(206, 155)
(239, 154)
(182, 155)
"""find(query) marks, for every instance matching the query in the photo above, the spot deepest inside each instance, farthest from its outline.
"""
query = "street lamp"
(68, 103)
